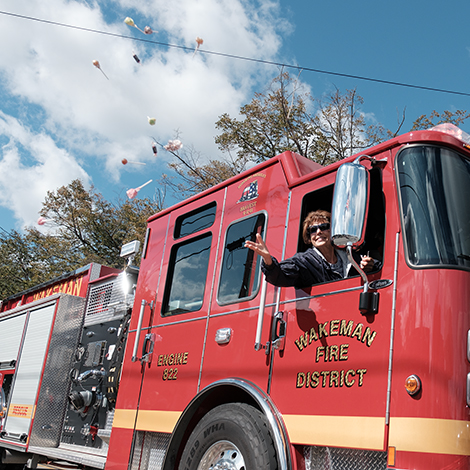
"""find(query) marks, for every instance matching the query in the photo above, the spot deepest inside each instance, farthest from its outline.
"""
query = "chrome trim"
(468, 389)
(240, 310)
(468, 346)
(392, 331)
(139, 329)
(267, 407)
(350, 204)
(223, 335)
(283, 255)
(83, 458)
(259, 324)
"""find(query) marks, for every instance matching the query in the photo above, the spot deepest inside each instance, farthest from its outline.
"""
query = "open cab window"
(321, 199)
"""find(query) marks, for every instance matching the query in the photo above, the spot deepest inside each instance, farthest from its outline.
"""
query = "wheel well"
(203, 403)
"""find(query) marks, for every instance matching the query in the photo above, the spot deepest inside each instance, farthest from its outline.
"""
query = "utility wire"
(233, 56)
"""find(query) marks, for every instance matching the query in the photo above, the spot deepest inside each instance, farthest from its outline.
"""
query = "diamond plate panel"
(332, 458)
(52, 400)
(106, 300)
(149, 450)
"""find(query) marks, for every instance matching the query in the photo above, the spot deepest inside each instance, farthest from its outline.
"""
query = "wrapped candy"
(98, 66)
(136, 58)
(125, 161)
(148, 30)
(154, 148)
(132, 193)
(130, 22)
(173, 145)
(43, 220)
(151, 121)
(199, 41)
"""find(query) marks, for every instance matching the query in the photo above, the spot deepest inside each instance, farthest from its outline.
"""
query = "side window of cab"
(240, 271)
(189, 262)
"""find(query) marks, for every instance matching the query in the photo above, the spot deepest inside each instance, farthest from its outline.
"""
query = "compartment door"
(29, 372)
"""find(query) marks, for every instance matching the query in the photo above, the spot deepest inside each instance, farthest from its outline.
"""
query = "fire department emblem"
(250, 192)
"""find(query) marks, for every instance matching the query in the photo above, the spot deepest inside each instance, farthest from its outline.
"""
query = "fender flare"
(257, 396)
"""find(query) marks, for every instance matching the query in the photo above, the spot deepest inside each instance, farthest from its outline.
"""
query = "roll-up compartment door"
(29, 371)
(11, 332)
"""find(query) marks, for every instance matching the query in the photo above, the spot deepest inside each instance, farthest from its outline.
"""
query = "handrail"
(139, 329)
(259, 326)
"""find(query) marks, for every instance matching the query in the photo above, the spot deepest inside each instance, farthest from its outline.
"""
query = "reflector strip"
(341, 431)
(147, 420)
(435, 436)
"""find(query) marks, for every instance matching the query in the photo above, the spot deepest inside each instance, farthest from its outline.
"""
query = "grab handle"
(259, 327)
(139, 329)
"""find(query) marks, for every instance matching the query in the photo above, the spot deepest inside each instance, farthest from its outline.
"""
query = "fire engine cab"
(201, 364)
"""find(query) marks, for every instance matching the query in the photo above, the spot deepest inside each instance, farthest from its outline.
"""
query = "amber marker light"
(413, 385)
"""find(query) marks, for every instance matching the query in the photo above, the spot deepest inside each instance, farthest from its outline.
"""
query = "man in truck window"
(320, 263)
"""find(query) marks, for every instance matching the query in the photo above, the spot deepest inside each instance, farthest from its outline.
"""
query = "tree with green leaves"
(435, 118)
(286, 118)
(83, 228)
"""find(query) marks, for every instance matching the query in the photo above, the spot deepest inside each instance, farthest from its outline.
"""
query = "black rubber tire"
(236, 434)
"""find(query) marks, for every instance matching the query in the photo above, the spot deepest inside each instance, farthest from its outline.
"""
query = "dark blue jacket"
(305, 269)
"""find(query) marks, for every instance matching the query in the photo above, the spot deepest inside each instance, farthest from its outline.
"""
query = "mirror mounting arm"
(368, 301)
(349, 248)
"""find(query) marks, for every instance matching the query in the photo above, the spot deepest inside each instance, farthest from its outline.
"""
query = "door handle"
(147, 348)
(278, 331)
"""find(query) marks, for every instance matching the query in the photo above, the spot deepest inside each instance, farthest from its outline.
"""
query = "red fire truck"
(195, 362)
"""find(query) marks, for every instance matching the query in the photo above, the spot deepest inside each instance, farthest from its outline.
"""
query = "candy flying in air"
(151, 121)
(132, 193)
(125, 161)
(199, 41)
(43, 220)
(98, 66)
(130, 22)
(136, 58)
(148, 30)
(173, 145)
(154, 148)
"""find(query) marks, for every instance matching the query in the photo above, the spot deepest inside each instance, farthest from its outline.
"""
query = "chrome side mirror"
(348, 221)
(350, 205)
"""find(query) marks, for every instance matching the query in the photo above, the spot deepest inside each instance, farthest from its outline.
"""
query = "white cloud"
(50, 84)
(32, 164)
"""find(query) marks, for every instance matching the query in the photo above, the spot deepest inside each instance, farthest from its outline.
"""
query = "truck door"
(257, 205)
(330, 378)
(178, 322)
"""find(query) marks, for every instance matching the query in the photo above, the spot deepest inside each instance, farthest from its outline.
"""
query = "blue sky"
(61, 118)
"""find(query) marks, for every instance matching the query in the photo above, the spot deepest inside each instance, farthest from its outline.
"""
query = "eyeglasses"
(321, 227)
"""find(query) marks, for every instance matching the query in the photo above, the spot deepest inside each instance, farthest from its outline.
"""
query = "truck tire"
(234, 436)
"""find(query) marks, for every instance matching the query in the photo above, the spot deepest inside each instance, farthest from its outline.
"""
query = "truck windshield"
(435, 194)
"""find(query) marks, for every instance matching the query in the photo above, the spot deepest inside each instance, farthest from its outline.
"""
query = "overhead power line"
(237, 57)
